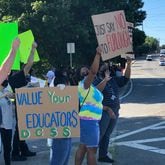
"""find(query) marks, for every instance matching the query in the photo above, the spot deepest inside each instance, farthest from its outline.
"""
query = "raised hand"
(107, 75)
(16, 44)
(129, 60)
(34, 45)
(98, 50)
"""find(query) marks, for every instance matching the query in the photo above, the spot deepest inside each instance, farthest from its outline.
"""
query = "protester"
(17, 80)
(90, 113)
(61, 147)
(111, 108)
(6, 65)
(6, 112)
(49, 76)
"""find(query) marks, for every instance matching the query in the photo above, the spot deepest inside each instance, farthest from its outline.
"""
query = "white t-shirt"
(7, 112)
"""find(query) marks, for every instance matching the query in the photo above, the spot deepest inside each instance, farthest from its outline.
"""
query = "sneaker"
(106, 159)
(18, 158)
(29, 153)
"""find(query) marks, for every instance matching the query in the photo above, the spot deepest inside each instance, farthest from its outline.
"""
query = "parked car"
(162, 63)
(149, 58)
(162, 57)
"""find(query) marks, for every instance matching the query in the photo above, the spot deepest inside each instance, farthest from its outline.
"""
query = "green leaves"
(54, 23)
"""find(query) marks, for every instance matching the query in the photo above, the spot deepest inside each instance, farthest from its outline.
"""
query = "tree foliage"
(56, 22)
(153, 44)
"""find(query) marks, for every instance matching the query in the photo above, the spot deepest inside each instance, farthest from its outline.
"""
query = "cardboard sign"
(112, 34)
(48, 112)
(130, 30)
(8, 32)
(27, 39)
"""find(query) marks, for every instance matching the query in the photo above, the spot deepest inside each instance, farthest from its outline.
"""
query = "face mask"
(83, 75)
(5, 83)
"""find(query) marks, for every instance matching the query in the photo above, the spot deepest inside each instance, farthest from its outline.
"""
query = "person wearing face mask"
(61, 147)
(20, 150)
(49, 76)
(90, 112)
(111, 106)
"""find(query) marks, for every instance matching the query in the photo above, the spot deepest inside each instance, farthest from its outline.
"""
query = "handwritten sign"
(112, 34)
(47, 112)
(130, 30)
(8, 32)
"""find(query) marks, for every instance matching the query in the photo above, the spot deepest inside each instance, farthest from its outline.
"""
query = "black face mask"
(5, 83)
(83, 75)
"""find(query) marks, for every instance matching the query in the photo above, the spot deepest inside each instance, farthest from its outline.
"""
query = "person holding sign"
(61, 147)
(6, 112)
(90, 112)
(111, 108)
(18, 80)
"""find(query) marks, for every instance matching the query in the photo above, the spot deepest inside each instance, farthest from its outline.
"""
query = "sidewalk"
(40, 146)
(42, 157)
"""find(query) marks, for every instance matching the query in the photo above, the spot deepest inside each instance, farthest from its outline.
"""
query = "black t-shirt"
(111, 91)
(17, 80)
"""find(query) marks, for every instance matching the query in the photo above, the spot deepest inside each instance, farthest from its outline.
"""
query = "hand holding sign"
(27, 42)
(16, 44)
(129, 60)
(98, 50)
(34, 45)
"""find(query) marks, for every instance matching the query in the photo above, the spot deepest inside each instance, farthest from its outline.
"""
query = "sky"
(154, 24)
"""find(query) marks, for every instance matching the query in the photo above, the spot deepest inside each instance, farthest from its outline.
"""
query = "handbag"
(80, 105)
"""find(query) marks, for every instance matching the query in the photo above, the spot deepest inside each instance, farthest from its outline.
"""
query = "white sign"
(70, 48)
(112, 34)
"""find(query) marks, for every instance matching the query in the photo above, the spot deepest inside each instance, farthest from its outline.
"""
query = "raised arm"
(103, 83)
(8, 62)
(128, 68)
(30, 59)
(94, 69)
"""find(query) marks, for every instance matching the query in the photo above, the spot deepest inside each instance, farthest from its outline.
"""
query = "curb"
(126, 90)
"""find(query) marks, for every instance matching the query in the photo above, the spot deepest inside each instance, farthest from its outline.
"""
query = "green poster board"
(26, 39)
(8, 32)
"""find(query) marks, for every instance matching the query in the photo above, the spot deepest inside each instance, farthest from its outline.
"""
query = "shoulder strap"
(85, 98)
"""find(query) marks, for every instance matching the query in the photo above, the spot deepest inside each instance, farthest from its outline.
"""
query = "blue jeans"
(60, 151)
(106, 127)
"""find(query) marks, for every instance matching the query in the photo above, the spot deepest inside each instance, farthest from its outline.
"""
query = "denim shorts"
(89, 132)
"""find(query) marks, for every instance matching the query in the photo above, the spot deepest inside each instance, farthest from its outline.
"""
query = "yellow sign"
(26, 39)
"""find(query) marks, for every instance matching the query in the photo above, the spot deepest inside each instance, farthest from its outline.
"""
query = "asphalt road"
(139, 138)
(139, 135)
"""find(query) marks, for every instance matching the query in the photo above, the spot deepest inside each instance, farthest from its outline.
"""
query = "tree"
(138, 39)
(56, 22)
(153, 43)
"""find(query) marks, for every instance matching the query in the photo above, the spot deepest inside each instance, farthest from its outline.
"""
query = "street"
(139, 136)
